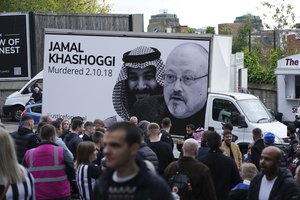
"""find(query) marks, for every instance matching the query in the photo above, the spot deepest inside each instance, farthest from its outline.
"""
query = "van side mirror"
(241, 122)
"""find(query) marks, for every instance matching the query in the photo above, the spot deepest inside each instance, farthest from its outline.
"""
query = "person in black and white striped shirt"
(86, 171)
(15, 181)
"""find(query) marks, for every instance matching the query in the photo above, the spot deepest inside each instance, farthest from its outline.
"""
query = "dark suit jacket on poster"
(154, 109)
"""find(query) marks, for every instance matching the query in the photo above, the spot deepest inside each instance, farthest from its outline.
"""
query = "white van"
(246, 113)
(15, 103)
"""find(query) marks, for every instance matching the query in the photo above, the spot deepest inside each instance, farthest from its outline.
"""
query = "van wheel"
(16, 113)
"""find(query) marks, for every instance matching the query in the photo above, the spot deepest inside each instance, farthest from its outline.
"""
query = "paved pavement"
(9, 125)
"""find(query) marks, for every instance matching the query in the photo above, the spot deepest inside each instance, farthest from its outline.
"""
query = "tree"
(240, 42)
(278, 14)
(190, 30)
(225, 30)
(69, 6)
(210, 30)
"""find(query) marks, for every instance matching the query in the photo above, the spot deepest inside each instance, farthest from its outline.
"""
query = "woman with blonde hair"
(86, 171)
(65, 125)
(15, 181)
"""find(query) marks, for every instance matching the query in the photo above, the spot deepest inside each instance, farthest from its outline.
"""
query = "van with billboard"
(192, 79)
(15, 103)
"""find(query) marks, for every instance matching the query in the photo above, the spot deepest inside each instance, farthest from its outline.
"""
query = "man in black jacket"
(273, 182)
(127, 177)
(72, 139)
(223, 169)
(165, 135)
(24, 137)
(258, 146)
(89, 130)
(162, 150)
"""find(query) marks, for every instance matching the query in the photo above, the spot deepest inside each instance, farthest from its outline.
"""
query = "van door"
(225, 110)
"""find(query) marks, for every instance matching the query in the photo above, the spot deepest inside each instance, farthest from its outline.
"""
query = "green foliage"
(210, 30)
(68, 6)
(279, 14)
(274, 56)
(258, 73)
(225, 30)
(190, 30)
(251, 58)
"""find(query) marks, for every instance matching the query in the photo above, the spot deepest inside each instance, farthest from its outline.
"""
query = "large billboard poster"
(106, 77)
(14, 46)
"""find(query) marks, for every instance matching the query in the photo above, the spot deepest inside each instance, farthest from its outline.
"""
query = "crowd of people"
(134, 160)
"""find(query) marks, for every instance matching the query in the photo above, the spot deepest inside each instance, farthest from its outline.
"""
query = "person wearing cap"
(24, 137)
(257, 147)
(231, 149)
(269, 140)
(141, 76)
(291, 133)
(89, 130)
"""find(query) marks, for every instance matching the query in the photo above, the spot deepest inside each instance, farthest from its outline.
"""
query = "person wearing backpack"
(188, 177)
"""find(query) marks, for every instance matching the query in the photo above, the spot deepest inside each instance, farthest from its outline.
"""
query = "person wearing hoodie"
(273, 182)
(24, 137)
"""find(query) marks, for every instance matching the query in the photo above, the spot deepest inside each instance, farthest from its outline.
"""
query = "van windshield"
(255, 111)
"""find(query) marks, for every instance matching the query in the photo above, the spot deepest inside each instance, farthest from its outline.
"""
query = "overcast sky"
(194, 13)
